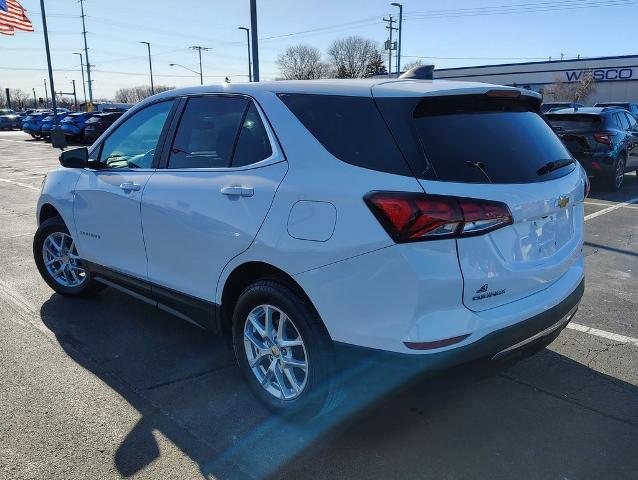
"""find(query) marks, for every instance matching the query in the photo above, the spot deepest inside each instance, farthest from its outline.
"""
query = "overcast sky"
(454, 33)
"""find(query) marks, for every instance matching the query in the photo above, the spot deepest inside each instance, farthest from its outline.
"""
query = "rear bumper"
(525, 336)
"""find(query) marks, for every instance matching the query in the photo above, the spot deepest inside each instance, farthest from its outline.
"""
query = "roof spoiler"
(422, 72)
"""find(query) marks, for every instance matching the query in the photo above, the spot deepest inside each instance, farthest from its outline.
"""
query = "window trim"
(120, 121)
(277, 155)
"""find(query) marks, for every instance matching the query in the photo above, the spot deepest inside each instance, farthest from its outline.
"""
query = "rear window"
(573, 121)
(350, 128)
(481, 139)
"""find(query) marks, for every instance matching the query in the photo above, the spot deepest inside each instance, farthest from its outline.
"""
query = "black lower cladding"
(484, 348)
(189, 308)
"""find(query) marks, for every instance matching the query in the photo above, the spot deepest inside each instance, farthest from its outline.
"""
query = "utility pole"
(57, 137)
(199, 51)
(46, 93)
(150, 66)
(86, 54)
(400, 32)
(75, 96)
(250, 75)
(389, 45)
(254, 38)
(35, 100)
(82, 70)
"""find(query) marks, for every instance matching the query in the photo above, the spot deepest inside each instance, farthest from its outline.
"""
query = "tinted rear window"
(573, 121)
(476, 138)
(350, 128)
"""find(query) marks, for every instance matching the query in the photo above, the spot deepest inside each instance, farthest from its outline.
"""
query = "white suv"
(435, 222)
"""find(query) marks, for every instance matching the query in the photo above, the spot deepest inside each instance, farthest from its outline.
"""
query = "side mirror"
(76, 158)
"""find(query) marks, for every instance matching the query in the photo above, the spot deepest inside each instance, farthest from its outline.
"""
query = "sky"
(446, 34)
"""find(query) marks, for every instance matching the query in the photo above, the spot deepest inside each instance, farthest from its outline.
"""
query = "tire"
(319, 392)
(615, 179)
(55, 229)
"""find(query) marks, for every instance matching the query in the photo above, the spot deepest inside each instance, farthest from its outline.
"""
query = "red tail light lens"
(410, 217)
(604, 137)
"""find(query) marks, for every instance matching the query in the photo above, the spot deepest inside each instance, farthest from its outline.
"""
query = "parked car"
(629, 106)
(73, 124)
(603, 139)
(98, 123)
(47, 122)
(9, 119)
(32, 124)
(551, 106)
(302, 219)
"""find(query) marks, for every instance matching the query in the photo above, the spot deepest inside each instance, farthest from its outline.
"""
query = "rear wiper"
(551, 166)
(480, 166)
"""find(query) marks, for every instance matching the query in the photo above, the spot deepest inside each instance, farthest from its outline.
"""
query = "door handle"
(130, 186)
(238, 191)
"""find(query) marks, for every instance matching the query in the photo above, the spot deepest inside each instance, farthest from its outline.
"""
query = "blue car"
(73, 125)
(47, 122)
(9, 119)
(32, 124)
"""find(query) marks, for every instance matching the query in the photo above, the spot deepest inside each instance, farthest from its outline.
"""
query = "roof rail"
(422, 72)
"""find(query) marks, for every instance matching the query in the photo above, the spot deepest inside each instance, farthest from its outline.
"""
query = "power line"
(507, 10)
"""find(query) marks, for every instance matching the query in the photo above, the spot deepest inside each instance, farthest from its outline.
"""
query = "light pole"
(46, 93)
(250, 73)
(35, 100)
(150, 66)
(255, 38)
(57, 137)
(82, 70)
(395, 4)
(201, 71)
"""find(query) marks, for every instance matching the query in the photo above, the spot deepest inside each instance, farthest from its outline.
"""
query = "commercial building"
(616, 77)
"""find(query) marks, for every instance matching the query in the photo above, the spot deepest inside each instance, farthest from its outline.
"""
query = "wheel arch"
(47, 211)
(247, 273)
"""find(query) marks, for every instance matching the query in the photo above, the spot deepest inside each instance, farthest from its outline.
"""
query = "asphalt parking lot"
(108, 387)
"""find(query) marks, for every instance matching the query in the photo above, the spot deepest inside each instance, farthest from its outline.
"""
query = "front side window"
(134, 142)
(207, 132)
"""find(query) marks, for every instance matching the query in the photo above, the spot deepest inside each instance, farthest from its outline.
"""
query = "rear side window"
(350, 128)
(623, 121)
(632, 121)
(566, 122)
(207, 132)
(253, 144)
(479, 139)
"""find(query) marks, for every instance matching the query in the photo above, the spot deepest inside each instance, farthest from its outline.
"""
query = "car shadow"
(628, 190)
(184, 383)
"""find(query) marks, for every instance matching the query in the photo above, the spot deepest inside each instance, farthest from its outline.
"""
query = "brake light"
(604, 137)
(411, 217)
(504, 93)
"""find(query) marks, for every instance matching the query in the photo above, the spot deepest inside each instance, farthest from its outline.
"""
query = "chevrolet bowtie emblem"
(562, 201)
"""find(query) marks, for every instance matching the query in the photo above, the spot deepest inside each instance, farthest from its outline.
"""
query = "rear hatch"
(576, 130)
(494, 145)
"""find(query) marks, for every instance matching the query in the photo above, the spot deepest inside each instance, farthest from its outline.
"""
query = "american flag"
(12, 16)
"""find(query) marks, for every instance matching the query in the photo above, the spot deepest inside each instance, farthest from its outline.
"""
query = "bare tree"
(301, 62)
(136, 94)
(376, 66)
(19, 98)
(573, 92)
(351, 56)
(415, 63)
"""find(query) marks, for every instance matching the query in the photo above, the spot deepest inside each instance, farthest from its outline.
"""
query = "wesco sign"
(602, 74)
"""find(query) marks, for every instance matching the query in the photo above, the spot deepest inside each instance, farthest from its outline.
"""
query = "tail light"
(604, 137)
(412, 217)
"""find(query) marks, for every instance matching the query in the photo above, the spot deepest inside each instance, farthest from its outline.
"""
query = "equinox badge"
(483, 293)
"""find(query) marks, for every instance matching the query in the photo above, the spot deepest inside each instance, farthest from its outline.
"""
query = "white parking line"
(609, 204)
(20, 184)
(603, 334)
(610, 209)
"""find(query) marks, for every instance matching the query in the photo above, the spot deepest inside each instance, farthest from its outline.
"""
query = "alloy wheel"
(62, 261)
(276, 352)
